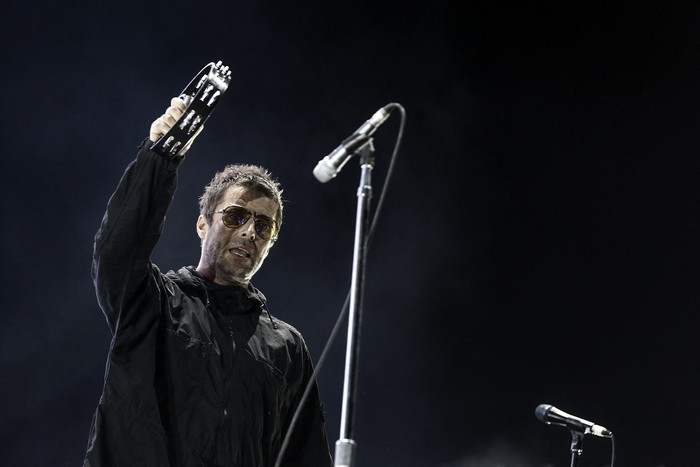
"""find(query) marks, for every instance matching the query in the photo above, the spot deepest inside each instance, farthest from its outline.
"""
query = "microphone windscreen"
(541, 412)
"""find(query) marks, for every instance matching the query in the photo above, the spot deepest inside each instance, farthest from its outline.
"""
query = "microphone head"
(542, 411)
(324, 172)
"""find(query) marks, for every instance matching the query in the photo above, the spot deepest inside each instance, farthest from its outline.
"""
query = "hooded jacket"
(198, 374)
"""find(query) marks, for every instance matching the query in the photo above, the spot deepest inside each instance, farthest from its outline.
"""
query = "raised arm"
(132, 225)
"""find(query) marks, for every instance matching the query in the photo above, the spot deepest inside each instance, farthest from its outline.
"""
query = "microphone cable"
(612, 448)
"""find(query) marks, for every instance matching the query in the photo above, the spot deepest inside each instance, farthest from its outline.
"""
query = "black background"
(538, 242)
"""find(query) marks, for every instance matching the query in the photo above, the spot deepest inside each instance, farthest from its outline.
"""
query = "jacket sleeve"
(131, 226)
(308, 443)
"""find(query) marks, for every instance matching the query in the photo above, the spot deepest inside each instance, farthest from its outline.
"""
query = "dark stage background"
(539, 242)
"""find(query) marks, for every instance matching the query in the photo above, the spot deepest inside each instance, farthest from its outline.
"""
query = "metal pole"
(345, 446)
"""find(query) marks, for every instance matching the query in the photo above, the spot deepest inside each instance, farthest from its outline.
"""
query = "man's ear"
(202, 226)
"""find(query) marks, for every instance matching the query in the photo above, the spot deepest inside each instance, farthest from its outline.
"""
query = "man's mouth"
(238, 251)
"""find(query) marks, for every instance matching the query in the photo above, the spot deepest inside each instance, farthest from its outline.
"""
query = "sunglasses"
(236, 216)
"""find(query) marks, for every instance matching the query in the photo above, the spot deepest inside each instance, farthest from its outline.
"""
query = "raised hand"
(166, 121)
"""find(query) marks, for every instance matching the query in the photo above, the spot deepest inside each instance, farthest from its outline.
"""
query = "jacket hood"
(226, 298)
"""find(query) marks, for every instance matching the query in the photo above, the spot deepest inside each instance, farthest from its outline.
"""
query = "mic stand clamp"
(576, 449)
(345, 446)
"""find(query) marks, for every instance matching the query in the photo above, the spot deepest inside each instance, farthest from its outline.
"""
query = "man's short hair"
(252, 177)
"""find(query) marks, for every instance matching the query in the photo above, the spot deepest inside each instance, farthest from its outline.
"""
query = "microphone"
(328, 167)
(551, 415)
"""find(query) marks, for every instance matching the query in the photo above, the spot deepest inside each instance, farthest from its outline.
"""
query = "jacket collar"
(226, 298)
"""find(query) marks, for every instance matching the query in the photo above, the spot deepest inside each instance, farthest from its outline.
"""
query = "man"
(199, 372)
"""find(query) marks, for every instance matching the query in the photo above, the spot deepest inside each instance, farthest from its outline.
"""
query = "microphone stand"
(345, 446)
(576, 449)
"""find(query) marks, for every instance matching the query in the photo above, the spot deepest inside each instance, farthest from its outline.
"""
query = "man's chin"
(238, 277)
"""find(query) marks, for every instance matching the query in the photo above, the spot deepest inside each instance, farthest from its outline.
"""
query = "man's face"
(233, 255)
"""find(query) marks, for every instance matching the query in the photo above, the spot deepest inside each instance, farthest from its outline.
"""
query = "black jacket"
(198, 374)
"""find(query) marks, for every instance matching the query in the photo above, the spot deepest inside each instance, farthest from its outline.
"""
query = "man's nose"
(248, 229)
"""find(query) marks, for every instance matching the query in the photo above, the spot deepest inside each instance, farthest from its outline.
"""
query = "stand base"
(345, 453)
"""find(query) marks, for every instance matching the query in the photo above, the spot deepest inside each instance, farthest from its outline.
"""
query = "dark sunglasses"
(236, 216)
